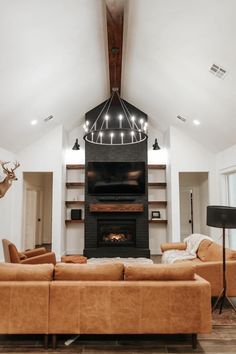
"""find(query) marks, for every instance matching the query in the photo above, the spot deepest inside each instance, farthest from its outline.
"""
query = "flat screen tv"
(116, 178)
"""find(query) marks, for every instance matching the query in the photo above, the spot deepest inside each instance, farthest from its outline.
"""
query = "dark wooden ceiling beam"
(115, 19)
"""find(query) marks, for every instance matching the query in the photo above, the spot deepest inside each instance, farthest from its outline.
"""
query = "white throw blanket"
(193, 241)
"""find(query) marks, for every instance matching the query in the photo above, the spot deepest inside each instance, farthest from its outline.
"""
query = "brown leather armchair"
(34, 256)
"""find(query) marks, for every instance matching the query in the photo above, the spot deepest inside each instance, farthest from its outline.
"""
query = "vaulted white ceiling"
(54, 62)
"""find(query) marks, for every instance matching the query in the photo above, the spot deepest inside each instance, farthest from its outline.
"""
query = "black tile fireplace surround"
(116, 235)
(94, 246)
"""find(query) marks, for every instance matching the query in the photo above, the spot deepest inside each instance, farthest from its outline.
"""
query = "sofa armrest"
(212, 272)
(41, 259)
(173, 246)
(35, 252)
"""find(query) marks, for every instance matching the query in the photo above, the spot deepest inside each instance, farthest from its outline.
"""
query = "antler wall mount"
(10, 176)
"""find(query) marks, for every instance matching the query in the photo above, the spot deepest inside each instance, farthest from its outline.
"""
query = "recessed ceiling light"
(196, 122)
(33, 122)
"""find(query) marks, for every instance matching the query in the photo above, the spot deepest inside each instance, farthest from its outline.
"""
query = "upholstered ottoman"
(74, 259)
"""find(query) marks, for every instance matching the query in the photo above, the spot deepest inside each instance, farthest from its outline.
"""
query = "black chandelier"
(115, 126)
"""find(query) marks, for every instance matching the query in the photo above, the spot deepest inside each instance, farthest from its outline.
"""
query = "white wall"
(186, 155)
(6, 203)
(45, 155)
(226, 164)
(75, 156)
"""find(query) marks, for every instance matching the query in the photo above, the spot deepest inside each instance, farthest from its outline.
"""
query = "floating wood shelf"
(75, 167)
(74, 202)
(75, 184)
(156, 167)
(114, 208)
(157, 184)
(74, 222)
(157, 202)
(157, 221)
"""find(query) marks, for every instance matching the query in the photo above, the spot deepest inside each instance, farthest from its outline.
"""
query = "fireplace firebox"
(116, 232)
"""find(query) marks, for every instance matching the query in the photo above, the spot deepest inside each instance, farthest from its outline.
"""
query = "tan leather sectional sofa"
(103, 299)
(209, 264)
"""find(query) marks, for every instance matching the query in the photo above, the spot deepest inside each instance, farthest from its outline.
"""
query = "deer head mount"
(10, 176)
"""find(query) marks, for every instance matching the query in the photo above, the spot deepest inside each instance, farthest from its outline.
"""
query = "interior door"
(30, 218)
(186, 212)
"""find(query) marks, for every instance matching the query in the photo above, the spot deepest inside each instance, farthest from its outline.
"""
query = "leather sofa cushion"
(14, 255)
(70, 271)
(26, 272)
(173, 246)
(210, 251)
(175, 271)
(202, 249)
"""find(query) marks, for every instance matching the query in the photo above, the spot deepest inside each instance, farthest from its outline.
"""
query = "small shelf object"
(156, 214)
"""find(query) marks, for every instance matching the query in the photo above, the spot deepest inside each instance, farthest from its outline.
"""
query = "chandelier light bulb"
(87, 122)
(120, 118)
(106, 119)
(111, 135)
(122, 137)
(101, 134)
(132, 135)
(133, 120)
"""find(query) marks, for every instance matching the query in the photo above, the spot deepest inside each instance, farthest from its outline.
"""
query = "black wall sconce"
(155, 146)
(76, 145)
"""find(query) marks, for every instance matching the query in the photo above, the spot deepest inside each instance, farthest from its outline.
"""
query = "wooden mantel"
(114, 208)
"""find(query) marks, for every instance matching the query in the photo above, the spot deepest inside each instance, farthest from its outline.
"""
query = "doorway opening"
(37, 206)
(193, 199)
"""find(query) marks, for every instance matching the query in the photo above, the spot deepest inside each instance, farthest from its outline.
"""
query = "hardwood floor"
(221, 340)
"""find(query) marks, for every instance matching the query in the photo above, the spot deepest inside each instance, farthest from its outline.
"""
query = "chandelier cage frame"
(123, 131)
